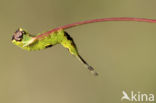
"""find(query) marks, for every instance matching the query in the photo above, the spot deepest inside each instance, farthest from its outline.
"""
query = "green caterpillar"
(29, 42)
(55, 36)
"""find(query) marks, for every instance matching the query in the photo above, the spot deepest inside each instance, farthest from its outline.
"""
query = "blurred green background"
(124, 53)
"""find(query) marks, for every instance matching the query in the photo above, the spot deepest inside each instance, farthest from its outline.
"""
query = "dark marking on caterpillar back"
(70, 38)
(48, 46)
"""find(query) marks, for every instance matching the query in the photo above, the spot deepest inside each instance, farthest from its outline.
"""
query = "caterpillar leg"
(68, 43)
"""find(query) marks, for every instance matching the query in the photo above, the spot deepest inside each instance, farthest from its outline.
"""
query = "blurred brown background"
(124, 53)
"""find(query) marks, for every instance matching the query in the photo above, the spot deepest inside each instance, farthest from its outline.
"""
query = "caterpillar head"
(19, 34)
(22, 38)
